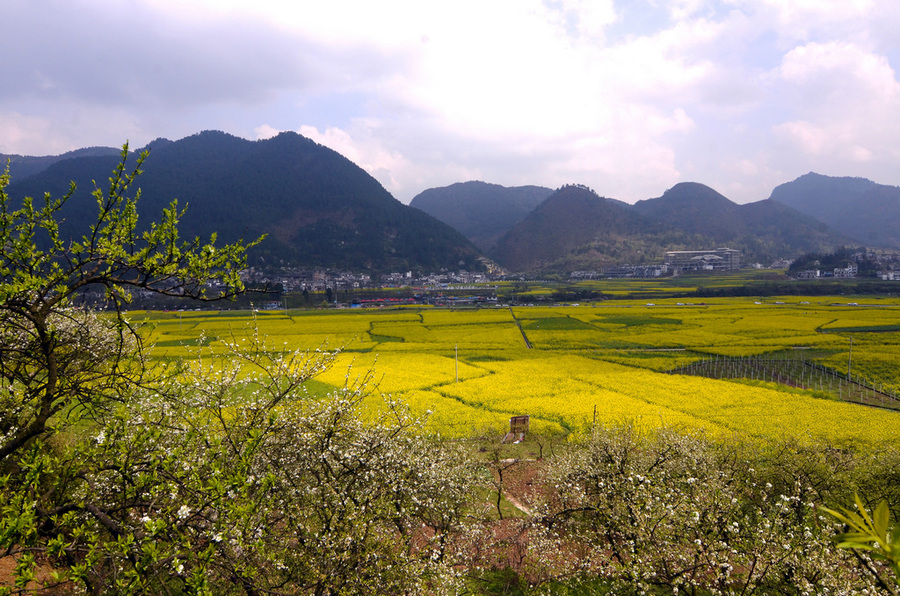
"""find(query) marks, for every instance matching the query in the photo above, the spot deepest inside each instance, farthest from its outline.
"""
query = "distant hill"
(576, 229)
(321, 210)
(482, 212)
(573, 229)
(762, 231)
(318, 208)
(863, 210)
(695, 209)
(23, 166)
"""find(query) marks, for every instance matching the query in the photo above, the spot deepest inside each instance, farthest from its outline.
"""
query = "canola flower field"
(569, 367)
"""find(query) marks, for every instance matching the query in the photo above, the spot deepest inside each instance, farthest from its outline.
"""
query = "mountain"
(482, 212)
(317, 207)
(823, 197)
(762, 231)
(576, 229)
(23, 166)
(865, 211)
(694, 208)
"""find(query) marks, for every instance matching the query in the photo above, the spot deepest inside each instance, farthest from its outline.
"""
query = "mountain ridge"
(23, 166)
(319, 209)
(479, 210)
(858, 207)
(601, 232)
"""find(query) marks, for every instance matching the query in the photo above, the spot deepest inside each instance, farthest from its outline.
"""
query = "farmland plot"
(469, 370)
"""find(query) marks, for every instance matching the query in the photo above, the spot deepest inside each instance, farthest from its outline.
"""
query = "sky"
(626, 97)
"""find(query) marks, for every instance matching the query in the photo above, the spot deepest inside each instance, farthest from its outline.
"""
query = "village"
(675, 263)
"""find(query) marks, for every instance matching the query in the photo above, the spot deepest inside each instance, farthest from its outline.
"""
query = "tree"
(874, 533)
(50, 362)
(123, 475)
(657, 509)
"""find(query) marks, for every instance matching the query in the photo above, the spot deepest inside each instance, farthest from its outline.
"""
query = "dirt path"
(516, 503)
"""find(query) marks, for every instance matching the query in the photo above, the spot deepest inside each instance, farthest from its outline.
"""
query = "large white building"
(719, 259)
(849, 271)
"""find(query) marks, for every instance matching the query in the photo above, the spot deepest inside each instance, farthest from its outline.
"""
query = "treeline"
(799, 288)
(839, 259)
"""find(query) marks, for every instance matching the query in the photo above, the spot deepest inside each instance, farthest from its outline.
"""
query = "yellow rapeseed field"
(468, 371)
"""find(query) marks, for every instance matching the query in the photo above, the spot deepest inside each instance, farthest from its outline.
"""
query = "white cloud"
(681, 10)
(583, 18)
(41, 131)
(388, 167)
(28, 135)
(809, 138)
(265, 132)
(850, 99)
(626, 97)
(803, 16)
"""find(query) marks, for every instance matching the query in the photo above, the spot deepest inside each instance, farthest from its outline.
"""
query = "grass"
(635, 320)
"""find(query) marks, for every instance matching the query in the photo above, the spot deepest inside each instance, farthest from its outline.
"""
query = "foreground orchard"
(668, 512)
(228, 476)
(231, 478)
(685, 483)
(236, 481)
(213, 474)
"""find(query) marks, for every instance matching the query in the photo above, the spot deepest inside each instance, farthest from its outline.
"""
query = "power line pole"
(850, 359)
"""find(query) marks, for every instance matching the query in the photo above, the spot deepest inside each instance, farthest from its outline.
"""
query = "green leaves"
(75, 497)
(45, 358)
(39, 267)
(875, 533)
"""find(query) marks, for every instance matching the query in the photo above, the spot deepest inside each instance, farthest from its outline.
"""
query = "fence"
(794, 372)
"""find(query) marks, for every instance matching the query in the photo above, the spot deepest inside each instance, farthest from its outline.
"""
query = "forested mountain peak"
(570, 218)
(481, 211)
(857, 207)
(317, 207)
(575, 229)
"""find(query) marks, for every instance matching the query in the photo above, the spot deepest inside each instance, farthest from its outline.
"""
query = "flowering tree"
(663, 510)
(237, 480)
(54, 359)
(121, 475)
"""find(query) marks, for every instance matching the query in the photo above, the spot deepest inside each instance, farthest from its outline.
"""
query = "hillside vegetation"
(317, 208)
(482, 212)
(574, 229)
(856, 207)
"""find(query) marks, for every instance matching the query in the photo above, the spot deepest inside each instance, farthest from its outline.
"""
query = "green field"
(697, 285)
(470, 370)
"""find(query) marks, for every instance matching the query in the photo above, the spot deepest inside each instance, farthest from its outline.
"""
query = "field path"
(519, 325)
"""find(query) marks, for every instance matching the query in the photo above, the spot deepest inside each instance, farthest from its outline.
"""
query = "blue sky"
(628, 98)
